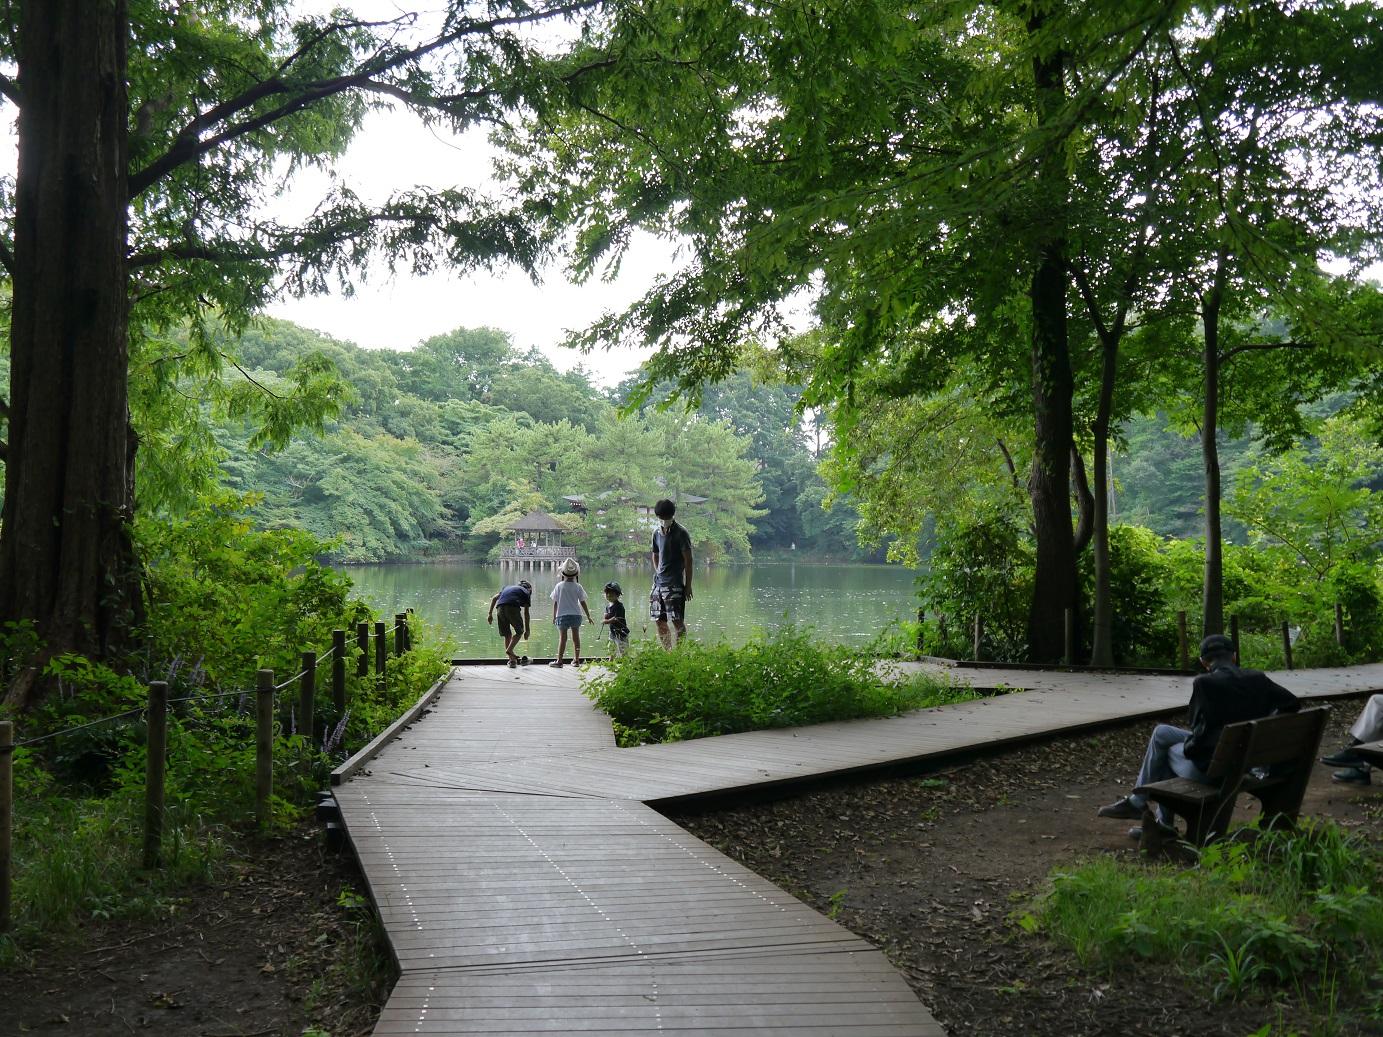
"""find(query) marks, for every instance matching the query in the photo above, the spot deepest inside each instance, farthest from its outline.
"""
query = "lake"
(844, 604)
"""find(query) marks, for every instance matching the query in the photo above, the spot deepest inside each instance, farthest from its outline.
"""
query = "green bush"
(1287, 907)
(697, 690)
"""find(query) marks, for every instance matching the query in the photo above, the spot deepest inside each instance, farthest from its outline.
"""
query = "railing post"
(6, 819)
(381, 649)
(1287, 643)
(400, 625)
(1070, 637)
(1234, 637)
(362, 641)
(921, 619)
(157, 748)
(338, 673)
(1339, 624)
(978, 637)
(264, 746)
(307, 695)
(408, 630)
(1183, 646)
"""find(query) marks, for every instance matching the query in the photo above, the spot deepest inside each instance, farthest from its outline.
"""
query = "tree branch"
(10, 89)
(1254, 346)
(189, 143)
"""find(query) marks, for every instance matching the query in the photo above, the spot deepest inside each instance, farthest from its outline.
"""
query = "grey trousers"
(1369, 726)
(1166, 758)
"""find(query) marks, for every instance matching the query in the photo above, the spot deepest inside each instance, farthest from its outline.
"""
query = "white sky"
(393, 152)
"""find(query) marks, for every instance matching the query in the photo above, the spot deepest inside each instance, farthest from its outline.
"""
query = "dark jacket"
(1229, 695)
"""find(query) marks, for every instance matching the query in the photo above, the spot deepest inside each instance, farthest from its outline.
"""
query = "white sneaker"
(556, 664)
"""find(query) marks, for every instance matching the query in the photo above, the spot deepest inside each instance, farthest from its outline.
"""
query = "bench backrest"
(1285, 738)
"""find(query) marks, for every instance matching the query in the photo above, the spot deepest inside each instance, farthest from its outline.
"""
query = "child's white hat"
(570, 568)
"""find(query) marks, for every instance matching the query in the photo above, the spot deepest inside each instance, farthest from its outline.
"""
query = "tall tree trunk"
(1102, 634)
(66, 559)
(1054, 583)
(1212, 589)
(1085, 502)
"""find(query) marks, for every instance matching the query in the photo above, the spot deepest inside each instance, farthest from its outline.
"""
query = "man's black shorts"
(667, 604)
(510, 619)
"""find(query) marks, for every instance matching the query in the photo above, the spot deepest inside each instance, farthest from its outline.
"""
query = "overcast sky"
(394, 152)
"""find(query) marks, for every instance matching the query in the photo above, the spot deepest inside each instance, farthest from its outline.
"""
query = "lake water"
(844, 604)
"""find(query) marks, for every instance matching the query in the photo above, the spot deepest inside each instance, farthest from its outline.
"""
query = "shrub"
(698, 689)
(1285, 908)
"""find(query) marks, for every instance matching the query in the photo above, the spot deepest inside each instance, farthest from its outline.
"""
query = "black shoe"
(1352, 776)
(1121, 808)
(523, 660)
(1345, 757)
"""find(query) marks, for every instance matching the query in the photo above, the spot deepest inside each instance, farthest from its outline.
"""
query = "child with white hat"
(568, 603)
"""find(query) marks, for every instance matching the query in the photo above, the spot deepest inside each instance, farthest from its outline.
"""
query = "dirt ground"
(930, 873)
(274, 952)
(928, 868)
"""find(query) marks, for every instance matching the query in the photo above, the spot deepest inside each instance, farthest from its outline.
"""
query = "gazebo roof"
(536, 521)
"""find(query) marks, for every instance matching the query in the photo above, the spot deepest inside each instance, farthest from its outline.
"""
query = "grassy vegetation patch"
(787, 680)
(1294, 911)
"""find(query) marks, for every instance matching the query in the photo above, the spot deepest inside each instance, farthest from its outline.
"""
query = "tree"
(148, 137)
(908, 166)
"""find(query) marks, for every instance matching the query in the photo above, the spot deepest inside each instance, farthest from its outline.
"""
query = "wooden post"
(157, 749)
(400, 625)
(1287, 643)
(307, 695)
(338, 673)
(1070, 637)
(941, 633)
(1183, 645)
(1234, 636)
(978, 637)
(362, 641)
(264, 746)
(408, 630)
(1339, 624)
(921, 619)
(380, 650)
(6, 818)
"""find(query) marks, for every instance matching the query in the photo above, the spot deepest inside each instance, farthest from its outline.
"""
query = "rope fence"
(300, 716)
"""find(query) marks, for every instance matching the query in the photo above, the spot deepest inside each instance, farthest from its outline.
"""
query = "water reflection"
(845, 604)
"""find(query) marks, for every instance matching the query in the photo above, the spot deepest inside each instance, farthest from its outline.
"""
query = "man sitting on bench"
(1368, 728)
(1224, 694)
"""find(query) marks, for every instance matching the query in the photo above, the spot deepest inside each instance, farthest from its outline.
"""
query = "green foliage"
(1289, 907)
(698, 690)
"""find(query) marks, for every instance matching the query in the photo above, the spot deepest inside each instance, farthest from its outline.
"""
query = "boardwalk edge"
(365, 755)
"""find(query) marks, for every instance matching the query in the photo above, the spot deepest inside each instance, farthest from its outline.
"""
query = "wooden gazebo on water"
(537, 543)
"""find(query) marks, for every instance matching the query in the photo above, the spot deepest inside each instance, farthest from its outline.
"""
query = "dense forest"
(438, 448)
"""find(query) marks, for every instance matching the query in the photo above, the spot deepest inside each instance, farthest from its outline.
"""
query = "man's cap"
(1216, 644)
(525, 585)
(613, 586)
(570, 568)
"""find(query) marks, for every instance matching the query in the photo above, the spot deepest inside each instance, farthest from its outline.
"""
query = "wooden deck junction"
(526, 886)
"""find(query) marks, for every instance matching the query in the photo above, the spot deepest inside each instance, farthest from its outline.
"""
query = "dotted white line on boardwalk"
(710, 865)
(633, 944)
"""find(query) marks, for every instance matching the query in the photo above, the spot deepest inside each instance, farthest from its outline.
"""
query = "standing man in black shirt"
(672, 574)
(1223, 695)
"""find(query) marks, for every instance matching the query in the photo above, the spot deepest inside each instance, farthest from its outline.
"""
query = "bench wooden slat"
(1286, 743)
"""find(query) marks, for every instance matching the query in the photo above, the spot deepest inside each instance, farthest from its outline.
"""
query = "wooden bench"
(1270, 759)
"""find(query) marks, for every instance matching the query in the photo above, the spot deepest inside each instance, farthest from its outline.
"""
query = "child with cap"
(568, 602)
(513, 602)
(614, 617)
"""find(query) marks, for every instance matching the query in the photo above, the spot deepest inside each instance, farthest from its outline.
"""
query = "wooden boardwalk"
(526, 887)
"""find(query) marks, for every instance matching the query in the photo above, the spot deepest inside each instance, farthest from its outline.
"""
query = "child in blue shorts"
(568, 602)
